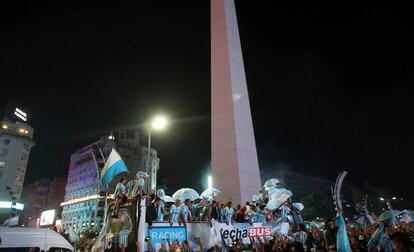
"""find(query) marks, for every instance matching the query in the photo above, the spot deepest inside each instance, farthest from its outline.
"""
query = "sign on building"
(47, 217)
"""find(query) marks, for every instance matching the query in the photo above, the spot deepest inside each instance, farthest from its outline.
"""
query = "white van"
(32, 240)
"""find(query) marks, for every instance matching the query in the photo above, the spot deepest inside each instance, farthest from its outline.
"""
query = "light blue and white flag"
(342, 242)
(114, 165)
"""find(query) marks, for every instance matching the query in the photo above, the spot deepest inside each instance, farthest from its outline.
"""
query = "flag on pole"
(114, 165)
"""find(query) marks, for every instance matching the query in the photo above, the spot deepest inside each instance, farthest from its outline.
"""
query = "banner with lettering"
(159, 235)
(242, 232)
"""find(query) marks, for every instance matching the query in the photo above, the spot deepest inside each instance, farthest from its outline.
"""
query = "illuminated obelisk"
(235, 167)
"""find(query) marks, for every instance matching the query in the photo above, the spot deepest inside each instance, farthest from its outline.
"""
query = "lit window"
(2, 163)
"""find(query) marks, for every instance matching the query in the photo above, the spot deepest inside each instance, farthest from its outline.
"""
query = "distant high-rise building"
(16, 140)
(83, 205)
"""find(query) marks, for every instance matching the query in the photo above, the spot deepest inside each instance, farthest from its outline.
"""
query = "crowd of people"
(391, 238)
(205, 209)
(379, 236)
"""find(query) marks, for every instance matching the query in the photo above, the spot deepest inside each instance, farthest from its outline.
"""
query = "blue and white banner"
(160, 234)
(241, 231)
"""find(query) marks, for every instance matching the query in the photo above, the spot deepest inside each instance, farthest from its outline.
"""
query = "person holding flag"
(114, 166)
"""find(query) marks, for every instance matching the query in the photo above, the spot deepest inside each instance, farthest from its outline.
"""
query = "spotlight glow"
(159, 123)
(210, 182)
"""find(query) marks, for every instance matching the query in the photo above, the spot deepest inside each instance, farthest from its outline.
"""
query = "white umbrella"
(299, 206)
(271, 183)
(281, 194)
(208, 194)
(168, 199)
(186, 193)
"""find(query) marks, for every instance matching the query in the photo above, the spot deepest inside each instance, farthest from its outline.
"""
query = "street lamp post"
(158, 123)
(148, 159)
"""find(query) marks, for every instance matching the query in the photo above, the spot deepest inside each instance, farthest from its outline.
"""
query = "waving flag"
(113, 166)
(342, 242)
(376, 237)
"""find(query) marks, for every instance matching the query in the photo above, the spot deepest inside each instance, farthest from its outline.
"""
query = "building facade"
(44, 194)
(84, 200)
(16, 141)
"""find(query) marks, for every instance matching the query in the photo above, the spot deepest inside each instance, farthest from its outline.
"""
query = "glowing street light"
(382, 199)
(394, 198)
(159, 123)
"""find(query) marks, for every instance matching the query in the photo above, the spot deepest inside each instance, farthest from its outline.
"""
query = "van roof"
(30, 237)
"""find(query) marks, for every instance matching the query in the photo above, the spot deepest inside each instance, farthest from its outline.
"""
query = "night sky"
(330, 90)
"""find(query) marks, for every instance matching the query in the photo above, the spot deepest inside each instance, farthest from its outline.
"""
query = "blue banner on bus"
(157, 234)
